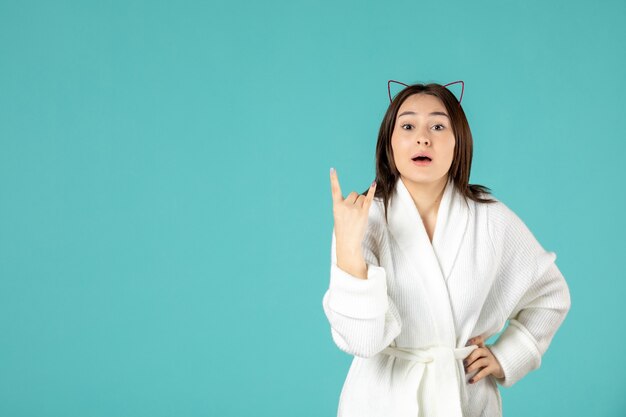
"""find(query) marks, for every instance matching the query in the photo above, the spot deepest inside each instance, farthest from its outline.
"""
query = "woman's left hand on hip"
(482, 358)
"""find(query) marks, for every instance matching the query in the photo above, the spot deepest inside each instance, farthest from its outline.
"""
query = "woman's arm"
(363, 319)
(540, 295)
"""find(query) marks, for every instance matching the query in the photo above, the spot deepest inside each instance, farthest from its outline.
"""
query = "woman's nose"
(424, 141)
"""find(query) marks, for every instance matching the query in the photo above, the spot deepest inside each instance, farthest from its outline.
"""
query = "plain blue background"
(165, 207)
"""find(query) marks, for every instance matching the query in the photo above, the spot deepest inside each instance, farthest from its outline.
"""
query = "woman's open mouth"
(422, 161)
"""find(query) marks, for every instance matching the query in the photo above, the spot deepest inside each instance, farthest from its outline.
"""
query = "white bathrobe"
(407, 324)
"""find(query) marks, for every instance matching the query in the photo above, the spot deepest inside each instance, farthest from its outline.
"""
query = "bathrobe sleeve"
(363, 319)
(532, 290)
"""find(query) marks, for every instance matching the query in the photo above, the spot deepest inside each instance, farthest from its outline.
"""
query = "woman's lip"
(422, 163)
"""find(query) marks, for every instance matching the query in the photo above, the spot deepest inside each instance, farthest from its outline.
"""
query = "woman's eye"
(411, 126)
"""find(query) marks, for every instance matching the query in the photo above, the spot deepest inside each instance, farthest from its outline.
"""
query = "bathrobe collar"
(432, 263)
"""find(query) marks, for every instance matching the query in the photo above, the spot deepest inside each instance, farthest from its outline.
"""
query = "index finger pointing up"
(335, 189)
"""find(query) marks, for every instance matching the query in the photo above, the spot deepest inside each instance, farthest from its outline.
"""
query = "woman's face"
(423, 127)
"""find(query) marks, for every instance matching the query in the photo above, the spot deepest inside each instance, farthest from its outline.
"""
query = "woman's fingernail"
(332, 170)
(471, 381)
(373, 183)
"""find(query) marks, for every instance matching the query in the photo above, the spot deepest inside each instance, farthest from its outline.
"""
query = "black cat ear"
(462, 88)
(406, 85)
(389, 87)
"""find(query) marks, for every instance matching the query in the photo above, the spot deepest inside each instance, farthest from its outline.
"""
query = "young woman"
(426, 267)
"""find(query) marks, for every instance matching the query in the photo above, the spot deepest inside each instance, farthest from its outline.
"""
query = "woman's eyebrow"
(435, 113)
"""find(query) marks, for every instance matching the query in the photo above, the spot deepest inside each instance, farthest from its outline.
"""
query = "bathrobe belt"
(440, 381)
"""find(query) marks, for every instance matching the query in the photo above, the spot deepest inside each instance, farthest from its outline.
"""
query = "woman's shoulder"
(505, 224)
(500, 213)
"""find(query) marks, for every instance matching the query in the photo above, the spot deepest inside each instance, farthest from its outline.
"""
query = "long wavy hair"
(386, 172)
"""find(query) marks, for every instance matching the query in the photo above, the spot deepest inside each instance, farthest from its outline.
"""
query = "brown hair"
(386, 172)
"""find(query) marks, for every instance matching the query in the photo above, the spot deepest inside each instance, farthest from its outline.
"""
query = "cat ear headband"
(398, 82)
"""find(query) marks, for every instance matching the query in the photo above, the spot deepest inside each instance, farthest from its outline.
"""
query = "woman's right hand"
(350, 216)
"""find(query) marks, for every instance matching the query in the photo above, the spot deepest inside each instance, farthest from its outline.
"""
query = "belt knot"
(441, 384)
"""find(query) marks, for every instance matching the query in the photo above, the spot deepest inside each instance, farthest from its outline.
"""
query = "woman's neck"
(426, 196)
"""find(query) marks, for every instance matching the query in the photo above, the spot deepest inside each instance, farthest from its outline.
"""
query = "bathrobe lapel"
(432, 263)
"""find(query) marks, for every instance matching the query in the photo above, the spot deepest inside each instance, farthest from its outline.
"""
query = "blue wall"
(165, 208)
